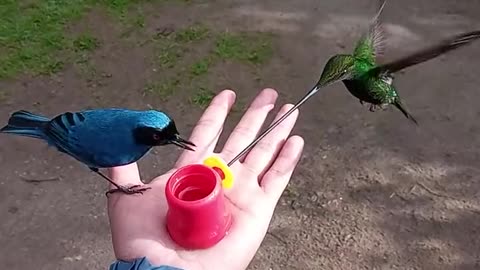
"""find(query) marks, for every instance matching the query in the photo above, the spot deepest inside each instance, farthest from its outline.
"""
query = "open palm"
(138, 221)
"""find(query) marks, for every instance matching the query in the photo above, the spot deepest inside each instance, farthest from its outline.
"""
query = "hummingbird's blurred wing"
(428, 53)
(372, 44)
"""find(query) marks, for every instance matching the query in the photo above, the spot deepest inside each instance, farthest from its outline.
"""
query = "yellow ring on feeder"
(217, 162)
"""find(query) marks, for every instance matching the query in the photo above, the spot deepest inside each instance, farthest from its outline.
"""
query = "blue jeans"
(139, 264)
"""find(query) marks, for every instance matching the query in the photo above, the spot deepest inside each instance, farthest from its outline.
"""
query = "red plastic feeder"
(197, 217)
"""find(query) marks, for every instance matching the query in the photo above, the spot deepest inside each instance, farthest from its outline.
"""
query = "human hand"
(138, 223)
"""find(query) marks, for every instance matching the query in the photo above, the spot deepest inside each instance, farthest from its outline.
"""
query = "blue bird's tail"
(27, 124)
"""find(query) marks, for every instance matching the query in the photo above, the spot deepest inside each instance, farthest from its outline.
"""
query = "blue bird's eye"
(156, 137)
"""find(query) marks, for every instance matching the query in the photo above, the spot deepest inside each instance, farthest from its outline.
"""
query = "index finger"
(126, 175)
(208, 129)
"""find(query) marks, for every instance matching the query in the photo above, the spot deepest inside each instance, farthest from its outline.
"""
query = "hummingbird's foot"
(376, 107)
(128, 190)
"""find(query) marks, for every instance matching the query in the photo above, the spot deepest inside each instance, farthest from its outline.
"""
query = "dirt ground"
(372, 191)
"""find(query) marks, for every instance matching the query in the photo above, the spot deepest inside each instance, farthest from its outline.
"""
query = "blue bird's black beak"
(181, 142)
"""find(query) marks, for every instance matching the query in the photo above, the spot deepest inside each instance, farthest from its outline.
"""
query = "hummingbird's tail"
(27, 124)
(398, 103)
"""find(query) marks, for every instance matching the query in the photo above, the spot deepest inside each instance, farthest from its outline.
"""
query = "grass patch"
(201, 67)
(203, 97)
(32, 32)
(86, 69)
(192, 33)
(172, 49)
(138, 20)
(168, 55)
(85, 42)
(120, 8)
(162, 89)
(133, 22)
(32, 37)
(81, 46)
(33, 41)
(255, 49)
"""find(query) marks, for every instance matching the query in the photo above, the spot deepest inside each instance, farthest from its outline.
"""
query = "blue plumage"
(100, 138)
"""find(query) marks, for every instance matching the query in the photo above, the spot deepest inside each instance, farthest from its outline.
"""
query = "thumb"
(127, 175)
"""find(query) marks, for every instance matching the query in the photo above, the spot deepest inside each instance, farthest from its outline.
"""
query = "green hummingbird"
(373, 83)
(364, 78)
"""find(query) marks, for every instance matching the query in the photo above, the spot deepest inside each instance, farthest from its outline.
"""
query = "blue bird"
(101, 138)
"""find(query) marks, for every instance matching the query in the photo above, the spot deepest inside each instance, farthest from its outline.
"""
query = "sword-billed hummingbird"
(364, 78)
(373, 83)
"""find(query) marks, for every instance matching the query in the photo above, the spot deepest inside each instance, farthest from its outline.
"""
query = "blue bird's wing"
(59, 132)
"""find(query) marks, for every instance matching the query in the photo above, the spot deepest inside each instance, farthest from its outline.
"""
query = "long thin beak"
(181, 142)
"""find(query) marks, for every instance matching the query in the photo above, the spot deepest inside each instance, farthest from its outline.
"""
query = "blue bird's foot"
(128, 190)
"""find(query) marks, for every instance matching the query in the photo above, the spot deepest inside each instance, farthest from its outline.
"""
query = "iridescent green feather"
(371, 45)
(380, 91)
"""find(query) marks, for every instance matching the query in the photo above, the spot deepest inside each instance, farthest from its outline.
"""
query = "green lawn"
(33, 41)
(32, 36)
